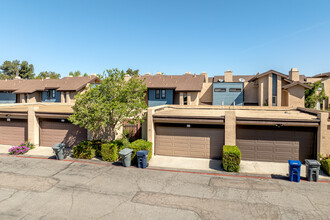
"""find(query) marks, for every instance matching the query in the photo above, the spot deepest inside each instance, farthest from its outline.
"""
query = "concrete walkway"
(249, 167)
(37, 151)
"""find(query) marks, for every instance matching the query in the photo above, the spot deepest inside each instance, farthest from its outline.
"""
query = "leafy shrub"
(16, 150)
(140, 145)
(109, 152)
(84, 150)
(325, 163)
(97, 146)
(231, 158)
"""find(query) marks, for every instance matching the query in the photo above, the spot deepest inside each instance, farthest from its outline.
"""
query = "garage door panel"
(55, 131)
(189, 142)
(265, 143)
(13, 132)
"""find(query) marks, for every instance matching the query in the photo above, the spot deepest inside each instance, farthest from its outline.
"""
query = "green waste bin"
(125, 155)
(59, 150)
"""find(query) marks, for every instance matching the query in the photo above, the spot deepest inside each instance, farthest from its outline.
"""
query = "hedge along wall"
(231, 158)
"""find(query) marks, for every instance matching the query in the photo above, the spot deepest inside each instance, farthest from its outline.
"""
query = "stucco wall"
(227, 97)
(6, 97)
(194, 98)
(250, 93)
(152, 101)
(328, 141)
(176, 100)
(296, 96)
(206, 95)
(264, 83)
(34, 97)
(284, 98)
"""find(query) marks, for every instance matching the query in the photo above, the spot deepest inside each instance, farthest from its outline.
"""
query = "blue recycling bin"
(142, 158)
(294, 170)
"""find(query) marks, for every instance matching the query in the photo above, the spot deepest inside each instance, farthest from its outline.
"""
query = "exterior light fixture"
(188, 126)
(8, 119)
(62, 120)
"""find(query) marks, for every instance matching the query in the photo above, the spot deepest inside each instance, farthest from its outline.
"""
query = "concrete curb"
(209, 173)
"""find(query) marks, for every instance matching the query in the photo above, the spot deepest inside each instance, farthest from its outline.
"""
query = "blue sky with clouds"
(168, 36)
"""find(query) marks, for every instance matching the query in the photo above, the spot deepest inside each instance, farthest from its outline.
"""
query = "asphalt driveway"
(50, 189)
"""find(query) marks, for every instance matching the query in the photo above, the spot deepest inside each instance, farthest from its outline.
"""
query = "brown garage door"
(55, 131)
(195, 141)
(13, 132)
(265, 143)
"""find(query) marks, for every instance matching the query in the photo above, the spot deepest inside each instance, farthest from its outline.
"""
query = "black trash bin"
(142, 158)
(312, 170)
(59, 150)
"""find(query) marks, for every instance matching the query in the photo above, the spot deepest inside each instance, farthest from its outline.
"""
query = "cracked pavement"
(50, 189)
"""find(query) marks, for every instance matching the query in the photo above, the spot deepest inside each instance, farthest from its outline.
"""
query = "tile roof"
(322, 75)
(296, 83)
(268, 72)
(33, 85)
(186, 82)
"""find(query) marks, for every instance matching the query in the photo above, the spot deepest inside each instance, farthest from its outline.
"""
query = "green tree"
(77, 73)
(103, 108)
(11, 68)
(315, 94)
(50, 74)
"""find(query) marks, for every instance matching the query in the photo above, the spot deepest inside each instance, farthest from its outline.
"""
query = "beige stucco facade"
(230, 116)
(296, 96)
(293, 96)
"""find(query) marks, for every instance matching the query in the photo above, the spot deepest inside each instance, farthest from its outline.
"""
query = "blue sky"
(167, 36)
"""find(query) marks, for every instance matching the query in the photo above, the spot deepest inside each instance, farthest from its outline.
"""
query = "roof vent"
(220, 80)
(241, 80)
(159, 73)
(147, 74)
(188, 73)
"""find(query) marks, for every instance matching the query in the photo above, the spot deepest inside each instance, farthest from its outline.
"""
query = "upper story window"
(157, 94)
(51, 94)
(235, 90)
(163, 94)
(220, 90)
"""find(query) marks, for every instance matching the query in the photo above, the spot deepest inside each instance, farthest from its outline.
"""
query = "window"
(219, 90)
(235, 90)
(51, 94)
(163, 94)
(274, 101)
(157, 94)
(185, 99)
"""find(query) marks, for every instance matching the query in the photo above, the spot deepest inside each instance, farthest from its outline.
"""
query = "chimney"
(206, 77)
(159, 73)
(187, 73)
(294, 74)
(47, 77)
(147, 74)
(70, 76)
(228, 76)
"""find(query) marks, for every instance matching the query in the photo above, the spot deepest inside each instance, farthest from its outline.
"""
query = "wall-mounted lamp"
(8, 119)
(188, 125)
(279, 125)
(62, 120)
